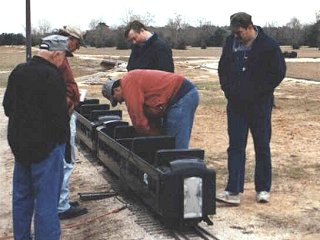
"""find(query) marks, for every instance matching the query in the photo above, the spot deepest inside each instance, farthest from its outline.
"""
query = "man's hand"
(70, 109)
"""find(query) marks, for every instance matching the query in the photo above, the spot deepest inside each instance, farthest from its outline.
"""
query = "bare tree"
(296, 31)
(318, 16)
(316, 29)
(94, 23)
(130, 16)
(44, 27)
(203, 22)
(272, 30)
(318, 24)
(175, 26)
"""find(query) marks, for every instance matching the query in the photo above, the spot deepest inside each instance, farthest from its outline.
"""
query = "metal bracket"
(96, 195)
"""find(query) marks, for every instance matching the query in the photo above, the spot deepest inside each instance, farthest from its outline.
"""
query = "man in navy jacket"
(250, 68)
(148, 50)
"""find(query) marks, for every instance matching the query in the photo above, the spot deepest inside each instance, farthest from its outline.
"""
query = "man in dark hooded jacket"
(250, 68)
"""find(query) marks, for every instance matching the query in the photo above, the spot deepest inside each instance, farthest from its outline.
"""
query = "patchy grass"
(208, 85)
(303, 52)
(211, 98)
(310, 70)
(290, 172)
(4, 79)
(10, 56)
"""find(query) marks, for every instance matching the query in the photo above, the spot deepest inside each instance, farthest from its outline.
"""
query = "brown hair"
(135, 26)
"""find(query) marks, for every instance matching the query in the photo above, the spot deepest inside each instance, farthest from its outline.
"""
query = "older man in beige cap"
(66, 208)
(75, 36)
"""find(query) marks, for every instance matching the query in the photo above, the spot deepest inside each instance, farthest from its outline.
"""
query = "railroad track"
(193, 233)
(144, 216)
(158, 230)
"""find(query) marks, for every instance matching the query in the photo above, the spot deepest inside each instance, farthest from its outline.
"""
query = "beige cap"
(74, 32)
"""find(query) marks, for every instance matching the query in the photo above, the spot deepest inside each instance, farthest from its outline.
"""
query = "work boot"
(73, 212)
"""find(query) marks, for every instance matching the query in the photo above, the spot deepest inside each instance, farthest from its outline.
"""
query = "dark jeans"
(257, 118)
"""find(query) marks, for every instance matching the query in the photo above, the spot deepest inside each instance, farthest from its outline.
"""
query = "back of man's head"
(55, 43)
(54, 48)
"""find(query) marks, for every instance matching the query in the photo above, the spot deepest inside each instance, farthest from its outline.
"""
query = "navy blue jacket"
(153, 54)
(35, 102)
(265, 69)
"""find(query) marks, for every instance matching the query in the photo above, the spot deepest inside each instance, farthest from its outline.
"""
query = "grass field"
(10, 56)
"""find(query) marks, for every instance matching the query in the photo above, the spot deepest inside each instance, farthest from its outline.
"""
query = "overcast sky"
(81, 12)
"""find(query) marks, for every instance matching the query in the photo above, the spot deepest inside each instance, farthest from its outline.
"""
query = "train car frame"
(174, 183)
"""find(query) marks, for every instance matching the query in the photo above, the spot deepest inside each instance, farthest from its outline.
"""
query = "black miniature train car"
(174, 183)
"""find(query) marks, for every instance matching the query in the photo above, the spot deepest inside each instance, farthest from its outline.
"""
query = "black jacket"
(264, 71)
(35, 102)
(153, 54)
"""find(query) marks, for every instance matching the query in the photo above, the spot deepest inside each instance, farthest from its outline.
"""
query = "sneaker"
(263, 197)
(73, 212)
(228, 197)
(74, 204)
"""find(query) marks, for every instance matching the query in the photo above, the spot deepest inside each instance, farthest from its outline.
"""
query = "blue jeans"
(179, 119)
(257, 118)
(68, 168)
(36, 190)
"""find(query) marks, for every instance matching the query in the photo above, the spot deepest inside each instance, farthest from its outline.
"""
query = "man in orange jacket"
(155, 94)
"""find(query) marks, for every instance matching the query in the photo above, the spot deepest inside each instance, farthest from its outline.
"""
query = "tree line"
(177, 34)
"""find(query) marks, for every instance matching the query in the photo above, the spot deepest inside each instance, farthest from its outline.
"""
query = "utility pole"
(28, 31)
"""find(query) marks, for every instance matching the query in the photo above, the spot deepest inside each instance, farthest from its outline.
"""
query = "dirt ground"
(294, 209)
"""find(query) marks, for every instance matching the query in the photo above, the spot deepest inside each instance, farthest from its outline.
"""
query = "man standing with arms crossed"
(250, 68)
